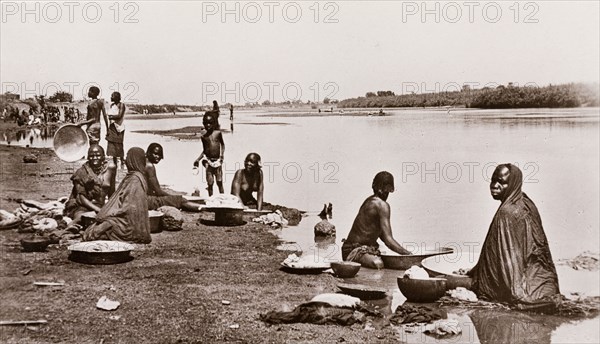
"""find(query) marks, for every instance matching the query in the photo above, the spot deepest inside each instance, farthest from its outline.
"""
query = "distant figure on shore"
(125, 216)
(94, 109)
(157, 197)
(231, 112)
(92, 182)
(515, 265)
(216, 112)
(372, 223)
(212, 154)
(249, 180)
(116, 129)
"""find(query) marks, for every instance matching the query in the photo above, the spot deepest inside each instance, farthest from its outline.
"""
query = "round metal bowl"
(35, 244)
(345, 269)
(70, 143)
(101, 252)
(227, 216)
(422, 290)
(404, 262)
(437, 267)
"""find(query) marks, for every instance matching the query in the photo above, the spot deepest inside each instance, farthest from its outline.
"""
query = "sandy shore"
(171, 292)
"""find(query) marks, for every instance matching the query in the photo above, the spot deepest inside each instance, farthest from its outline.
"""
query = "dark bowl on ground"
(100, 258)
(345, 269)
(422, 290)
(155, 221)
(225, 216)
(35, 244)
(101, 252)
(404, 262)
(88, 219)
(362, 291)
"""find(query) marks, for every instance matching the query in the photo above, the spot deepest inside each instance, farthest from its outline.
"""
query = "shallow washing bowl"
(404, 262)
(446, 268)
(101, 252)
(70, 143)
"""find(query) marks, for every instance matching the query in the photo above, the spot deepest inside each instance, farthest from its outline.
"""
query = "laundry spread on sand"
(274, 219)
(325, 309)
(406, 314)
(41, 218)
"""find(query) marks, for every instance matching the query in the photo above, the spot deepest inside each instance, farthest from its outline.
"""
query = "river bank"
(171, 292)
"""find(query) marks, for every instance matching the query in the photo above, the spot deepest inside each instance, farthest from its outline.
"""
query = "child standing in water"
(212, 154)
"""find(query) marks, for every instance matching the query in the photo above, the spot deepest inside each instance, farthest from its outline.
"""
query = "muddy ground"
(171, 292)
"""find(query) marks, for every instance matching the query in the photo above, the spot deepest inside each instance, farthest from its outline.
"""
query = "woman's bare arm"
(261, 188)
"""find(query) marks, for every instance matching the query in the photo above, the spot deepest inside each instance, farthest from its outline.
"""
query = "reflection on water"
(325, 243)
(35, 137)
(495, 326)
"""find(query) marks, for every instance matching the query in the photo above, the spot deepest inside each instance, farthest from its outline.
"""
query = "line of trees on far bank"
(501, 97)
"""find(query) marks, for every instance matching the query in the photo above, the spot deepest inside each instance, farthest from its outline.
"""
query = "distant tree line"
(501, 97)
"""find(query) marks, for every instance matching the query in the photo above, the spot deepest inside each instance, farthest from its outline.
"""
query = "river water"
(441, 162)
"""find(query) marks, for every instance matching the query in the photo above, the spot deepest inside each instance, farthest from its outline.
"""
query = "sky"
(191, 52)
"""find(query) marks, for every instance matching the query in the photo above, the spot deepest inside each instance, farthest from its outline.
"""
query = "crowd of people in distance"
(47, 114)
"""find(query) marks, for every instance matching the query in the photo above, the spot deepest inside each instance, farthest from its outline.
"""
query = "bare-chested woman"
(249, 180)
(372, 223)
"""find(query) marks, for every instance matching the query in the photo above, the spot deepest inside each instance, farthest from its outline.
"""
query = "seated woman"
(157, 197)
(91, 183)
(249, 180)
(125, 216)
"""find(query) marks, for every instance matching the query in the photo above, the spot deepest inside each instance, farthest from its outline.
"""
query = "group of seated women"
(124, 217)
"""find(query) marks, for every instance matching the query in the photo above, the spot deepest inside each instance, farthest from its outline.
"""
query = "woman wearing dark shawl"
(91, 183)
(125, 216)
(515, 265)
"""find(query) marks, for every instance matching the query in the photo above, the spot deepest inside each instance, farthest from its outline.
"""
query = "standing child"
(94, 109)
(212, 154)
(116, 129)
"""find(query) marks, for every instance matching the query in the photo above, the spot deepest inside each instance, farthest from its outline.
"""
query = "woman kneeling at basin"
(125, 216)
(249, 180)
